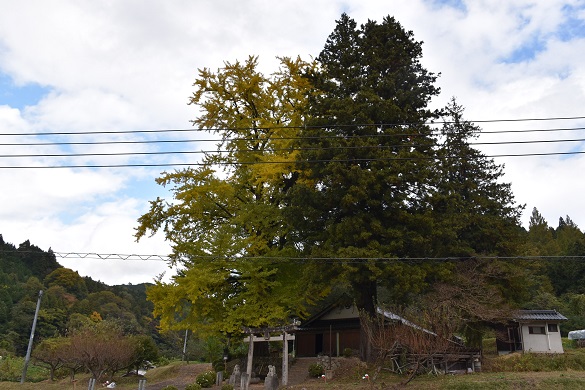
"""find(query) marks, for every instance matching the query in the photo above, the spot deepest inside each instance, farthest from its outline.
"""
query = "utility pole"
(32, 336)
(185, 346)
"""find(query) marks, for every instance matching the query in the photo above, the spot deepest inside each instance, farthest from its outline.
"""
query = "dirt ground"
(188, 373)
(350, 376)
(184, 377)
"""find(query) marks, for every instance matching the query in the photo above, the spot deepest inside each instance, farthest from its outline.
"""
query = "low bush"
(206, 379)
(170, 387)
(218, 365)
(227, 387)
(11, 368)
(316, 370)
(193, 386)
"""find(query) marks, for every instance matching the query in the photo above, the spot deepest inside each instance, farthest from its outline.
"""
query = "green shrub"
(62, 372)
(316, 370)
(206, 379)
(163, 361)
(11, 368)
(170, 387)
(37, 374)
(347, 352)
(218, 365)
(193, 386)
(227, 387)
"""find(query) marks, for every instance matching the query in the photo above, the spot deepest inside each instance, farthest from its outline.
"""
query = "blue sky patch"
(146, 188)
(527, 51)
(20, 96)
(455, 4)
(573, 27)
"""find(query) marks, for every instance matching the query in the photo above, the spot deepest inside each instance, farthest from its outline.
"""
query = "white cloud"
(127, 65)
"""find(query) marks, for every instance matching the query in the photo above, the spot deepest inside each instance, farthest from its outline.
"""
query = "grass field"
(482, 381)
(516, 371)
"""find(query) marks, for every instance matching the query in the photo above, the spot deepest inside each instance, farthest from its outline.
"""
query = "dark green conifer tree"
(474, 210)
(365, 159)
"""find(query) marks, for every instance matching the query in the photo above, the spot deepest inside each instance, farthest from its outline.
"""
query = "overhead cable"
(430, 123)
(157, 257)
(349, 160)
(405, 145)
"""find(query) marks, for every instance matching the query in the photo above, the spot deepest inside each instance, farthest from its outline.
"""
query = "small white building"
(532, 331)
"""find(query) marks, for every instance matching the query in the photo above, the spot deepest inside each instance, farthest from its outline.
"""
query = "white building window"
(536, 329)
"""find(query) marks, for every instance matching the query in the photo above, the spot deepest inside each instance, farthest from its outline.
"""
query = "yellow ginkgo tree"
(230, 241)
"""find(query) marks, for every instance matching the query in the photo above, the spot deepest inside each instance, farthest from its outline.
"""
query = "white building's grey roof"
(539, 315)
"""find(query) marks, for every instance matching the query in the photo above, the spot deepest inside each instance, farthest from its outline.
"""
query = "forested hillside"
(559, 268)
(68, 301)
(554, 278)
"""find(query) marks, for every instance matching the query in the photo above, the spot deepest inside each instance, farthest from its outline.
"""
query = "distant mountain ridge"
(68, 299)
(27, 260)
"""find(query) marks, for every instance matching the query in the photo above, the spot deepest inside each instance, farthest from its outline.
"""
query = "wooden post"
(266, 331)
(284, 359)
(250, 357)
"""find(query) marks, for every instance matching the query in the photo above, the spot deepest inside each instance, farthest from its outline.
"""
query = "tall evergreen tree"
(567, 273)
(475, 213)
(365, 158)
(541, 237)
(474, 210)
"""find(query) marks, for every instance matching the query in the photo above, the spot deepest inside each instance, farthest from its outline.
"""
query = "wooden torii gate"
(287, 332)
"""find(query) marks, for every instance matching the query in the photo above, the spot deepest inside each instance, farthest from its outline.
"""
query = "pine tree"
(567, 273)
(364, 160)
(474, 210)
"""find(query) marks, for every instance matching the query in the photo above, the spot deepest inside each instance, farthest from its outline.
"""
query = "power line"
(201, 140)
(117, 154)
(355, 160)
(108, 256)
(558, 118)
(553, 129)
(273, 149)
(156, 257)
(227, 139)
(104, 142)
(145, 165)
(429, 123)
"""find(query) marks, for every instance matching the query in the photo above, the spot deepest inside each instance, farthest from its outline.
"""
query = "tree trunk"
(366, 297)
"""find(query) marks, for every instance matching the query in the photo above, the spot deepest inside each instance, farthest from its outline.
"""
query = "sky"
(97, 66)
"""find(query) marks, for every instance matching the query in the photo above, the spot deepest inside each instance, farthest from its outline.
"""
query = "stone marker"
(271, 381)
(244, 381)
(235, 378)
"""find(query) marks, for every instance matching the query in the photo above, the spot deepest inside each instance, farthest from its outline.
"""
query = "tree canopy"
(365, 158)
(471, 204)
(225, 223)
(326, 173)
